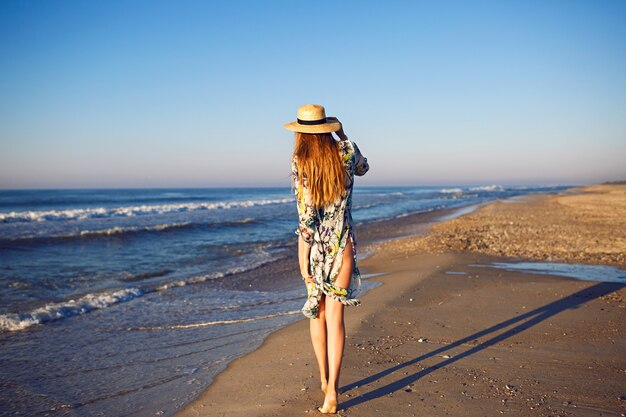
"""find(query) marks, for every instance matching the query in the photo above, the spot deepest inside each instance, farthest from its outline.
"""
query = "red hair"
(319, 164)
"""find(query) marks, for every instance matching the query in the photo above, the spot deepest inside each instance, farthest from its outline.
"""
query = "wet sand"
(443, 336)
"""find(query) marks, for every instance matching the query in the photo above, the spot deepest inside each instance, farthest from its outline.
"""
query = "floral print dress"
(327, 230)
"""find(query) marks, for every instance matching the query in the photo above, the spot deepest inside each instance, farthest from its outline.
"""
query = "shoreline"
(585, 225)
(413, 349)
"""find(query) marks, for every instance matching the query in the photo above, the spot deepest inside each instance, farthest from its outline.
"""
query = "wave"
(94, 301)
(215, 322)
(129, 211)
(367, 206)
(56, 311)
(487, 188)
(256, 303)
(450, 190)
(145, 275)
(117, 230)
(120, 230)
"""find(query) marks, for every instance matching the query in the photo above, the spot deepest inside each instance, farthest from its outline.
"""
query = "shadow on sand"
(521, 323)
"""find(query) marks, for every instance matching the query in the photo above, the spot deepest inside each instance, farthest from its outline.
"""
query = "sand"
(585, 226)
(445, 337)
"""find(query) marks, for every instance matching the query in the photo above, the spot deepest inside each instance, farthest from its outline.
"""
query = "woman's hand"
(340, 132)
(304, 251)
(308, 279)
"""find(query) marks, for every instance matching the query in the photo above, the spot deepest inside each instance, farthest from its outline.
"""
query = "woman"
(323, 172)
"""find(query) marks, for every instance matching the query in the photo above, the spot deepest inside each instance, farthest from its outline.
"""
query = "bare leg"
(335, 327)
(318, 337)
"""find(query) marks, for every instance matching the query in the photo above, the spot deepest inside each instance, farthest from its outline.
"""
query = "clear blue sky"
(195, 93)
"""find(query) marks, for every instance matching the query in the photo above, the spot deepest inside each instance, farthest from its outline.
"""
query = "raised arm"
(361, 166)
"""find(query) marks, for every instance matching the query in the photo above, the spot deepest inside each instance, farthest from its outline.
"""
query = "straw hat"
(312, 119)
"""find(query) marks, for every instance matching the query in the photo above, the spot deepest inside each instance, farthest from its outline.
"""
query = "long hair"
(320, 167)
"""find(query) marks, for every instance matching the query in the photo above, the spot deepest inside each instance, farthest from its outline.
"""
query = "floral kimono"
(327, 230)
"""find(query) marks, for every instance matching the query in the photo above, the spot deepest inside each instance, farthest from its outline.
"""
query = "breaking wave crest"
(450, 190)
(93, 301)
(128, 230)
(487, 188)
(129, 211)
(118, 230)
(156, 228)
(55, 311)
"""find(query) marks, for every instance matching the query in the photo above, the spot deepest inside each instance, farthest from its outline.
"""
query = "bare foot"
(330, 403)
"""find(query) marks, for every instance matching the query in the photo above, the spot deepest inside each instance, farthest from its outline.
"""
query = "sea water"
(597, 273)
(130, 301)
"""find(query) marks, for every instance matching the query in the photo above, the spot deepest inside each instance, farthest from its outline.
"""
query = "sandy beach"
(587, 225)
(449, 335)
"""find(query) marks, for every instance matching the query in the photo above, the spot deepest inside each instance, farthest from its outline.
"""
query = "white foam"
(365, 206)
(487, 188)
(450, 190)
(193, 280)
(56, 311)
(89, 302)
(215, 322)
(121, 230)
(129, 211)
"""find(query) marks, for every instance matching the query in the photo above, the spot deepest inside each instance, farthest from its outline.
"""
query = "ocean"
(128, 302)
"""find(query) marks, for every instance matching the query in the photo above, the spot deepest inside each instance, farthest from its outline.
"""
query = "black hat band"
(312, 122)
